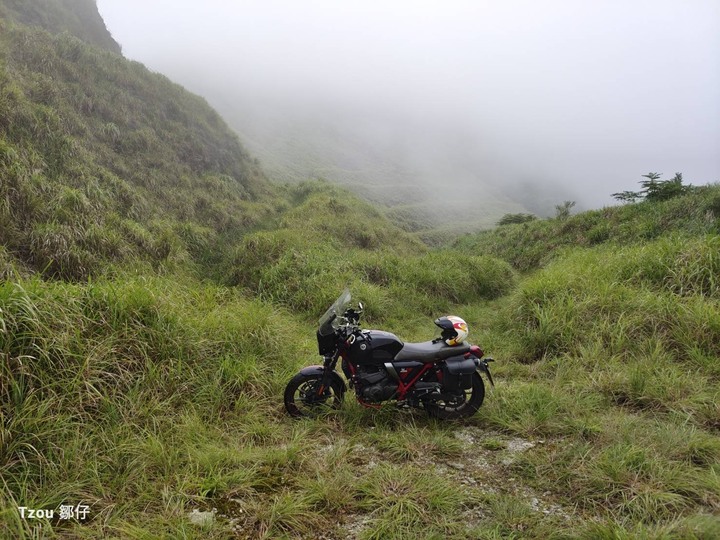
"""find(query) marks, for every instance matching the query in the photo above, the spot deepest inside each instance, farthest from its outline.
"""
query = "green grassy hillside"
(104, 161)
(615, 365)
(157, 294)
(148, 397)
(528, 245)
(330, 239)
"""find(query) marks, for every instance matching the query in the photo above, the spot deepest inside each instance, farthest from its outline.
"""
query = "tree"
(655, 189)
(628, 196)
(662, 190)
(652, 182)
(562, 211)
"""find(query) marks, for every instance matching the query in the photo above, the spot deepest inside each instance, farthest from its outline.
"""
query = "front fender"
(320, 370)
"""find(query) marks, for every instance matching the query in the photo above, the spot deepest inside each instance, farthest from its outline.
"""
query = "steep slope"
(102, 160)
(78, 17)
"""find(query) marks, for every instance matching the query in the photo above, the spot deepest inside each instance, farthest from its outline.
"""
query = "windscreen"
(337, 309)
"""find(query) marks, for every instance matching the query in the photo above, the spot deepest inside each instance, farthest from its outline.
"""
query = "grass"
(614, 347)
(96, 382)
(307, 257)
(147, 397)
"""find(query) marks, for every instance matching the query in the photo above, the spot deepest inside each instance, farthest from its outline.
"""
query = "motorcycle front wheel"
(465, 404)
(306, 395)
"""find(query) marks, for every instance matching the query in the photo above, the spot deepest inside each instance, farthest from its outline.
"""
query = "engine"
(374, 384)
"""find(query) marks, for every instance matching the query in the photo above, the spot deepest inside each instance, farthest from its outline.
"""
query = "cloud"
(583, 96)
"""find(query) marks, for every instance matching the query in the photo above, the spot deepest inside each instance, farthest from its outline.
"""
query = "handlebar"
(352, 316)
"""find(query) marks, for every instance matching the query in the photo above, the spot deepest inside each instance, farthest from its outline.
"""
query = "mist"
(518, 104)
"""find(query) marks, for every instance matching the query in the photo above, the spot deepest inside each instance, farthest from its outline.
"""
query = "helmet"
(454, 329)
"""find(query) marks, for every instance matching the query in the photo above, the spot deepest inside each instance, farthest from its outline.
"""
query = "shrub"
(509, 219)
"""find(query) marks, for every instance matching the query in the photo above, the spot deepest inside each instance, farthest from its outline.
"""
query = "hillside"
(77, 17)
(528, 245)
(158, 293)
(603, 422)
(91, 145)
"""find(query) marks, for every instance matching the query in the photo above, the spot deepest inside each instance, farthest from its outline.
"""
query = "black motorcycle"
(444, 380)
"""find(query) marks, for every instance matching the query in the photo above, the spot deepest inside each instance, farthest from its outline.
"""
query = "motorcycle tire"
(305, 397)
(463, 407)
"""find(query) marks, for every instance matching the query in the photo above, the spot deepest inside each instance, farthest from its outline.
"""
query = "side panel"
(404, 371)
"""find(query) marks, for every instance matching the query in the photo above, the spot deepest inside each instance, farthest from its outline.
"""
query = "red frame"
(404, 388)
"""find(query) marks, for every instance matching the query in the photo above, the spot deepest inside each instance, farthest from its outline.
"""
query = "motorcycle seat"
(429, 351)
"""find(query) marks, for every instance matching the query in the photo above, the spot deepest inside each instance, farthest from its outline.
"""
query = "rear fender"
(320, 370)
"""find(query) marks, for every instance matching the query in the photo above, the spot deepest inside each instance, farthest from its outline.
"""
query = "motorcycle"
(444, 380)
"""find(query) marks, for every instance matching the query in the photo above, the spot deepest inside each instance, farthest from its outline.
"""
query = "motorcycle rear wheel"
(305, 395)
(464, 406)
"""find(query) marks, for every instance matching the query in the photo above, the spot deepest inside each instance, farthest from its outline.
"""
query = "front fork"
(327, 368)
(328, 372)
(327, 375)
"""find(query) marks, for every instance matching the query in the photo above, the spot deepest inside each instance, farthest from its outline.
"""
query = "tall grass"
(616, 354)
(626, 299)
(147, 397)
(328, 240)
(100, 380)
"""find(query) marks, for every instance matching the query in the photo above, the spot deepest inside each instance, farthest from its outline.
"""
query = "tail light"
(475, 351)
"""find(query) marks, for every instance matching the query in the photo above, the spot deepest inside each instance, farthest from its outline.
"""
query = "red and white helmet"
(454, 329)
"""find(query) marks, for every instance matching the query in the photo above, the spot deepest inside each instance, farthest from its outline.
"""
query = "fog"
(517, 103)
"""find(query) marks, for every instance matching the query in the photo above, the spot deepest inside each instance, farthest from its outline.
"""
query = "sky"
(580, 96)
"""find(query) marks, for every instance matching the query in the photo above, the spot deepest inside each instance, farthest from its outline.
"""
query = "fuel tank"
(374, 347)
